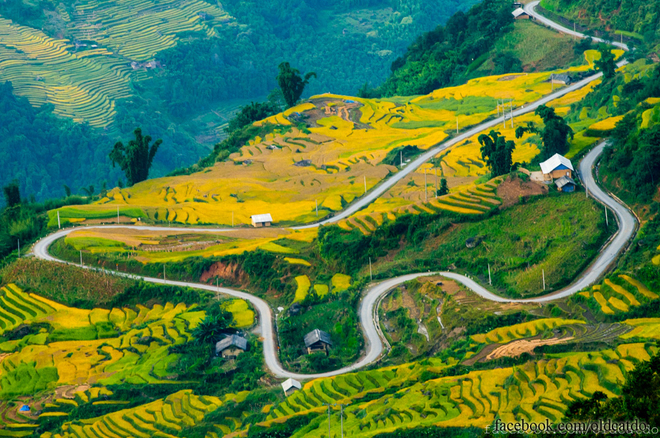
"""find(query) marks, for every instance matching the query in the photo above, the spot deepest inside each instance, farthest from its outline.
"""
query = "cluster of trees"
(43, 152)
(444, 55)
(200, 73)
(554, 134)
(136, 157)
(632, 161)
(497, 152)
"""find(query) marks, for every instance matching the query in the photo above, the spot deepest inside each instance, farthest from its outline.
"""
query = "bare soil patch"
(508, 77)
(225, 271)
(511, 190)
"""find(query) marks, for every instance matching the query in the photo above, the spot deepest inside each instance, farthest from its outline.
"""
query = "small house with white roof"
(261, 220)
(520, 14)
(555, 167)
(290, 386)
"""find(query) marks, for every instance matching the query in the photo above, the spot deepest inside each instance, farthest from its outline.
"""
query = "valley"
(357, 266)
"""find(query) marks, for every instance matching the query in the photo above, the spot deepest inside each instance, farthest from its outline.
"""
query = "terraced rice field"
(340, 282)
(100, 345)
(148, 246)
(303, 286)
(524, 330)
(240, 310)
(82, 86)
(643, 328)
(472, 200)
(534, 391)
(619, 294)
(84, 81)
(138, 29)
(286, 173)
(162, 418)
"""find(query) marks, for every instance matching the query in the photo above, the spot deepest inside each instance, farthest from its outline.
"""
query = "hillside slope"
(638, 19)
(180, 68)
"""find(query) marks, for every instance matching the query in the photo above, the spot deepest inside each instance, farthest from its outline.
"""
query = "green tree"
(554, 135)
(12, 194)
(497, 152)
(291, 83)
(443, 190)
(214, 326)
(251, 113)
(606, 63)
(135, 159)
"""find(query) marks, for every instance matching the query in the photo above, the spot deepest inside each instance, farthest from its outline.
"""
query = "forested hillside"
(482, 41)
(180, 68)
(639, 19)
(444, 56)
(44, 152)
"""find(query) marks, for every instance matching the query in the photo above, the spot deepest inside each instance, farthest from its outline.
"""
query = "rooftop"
(288, 384)
(232, 340)
(315, 336)
(262, 217)
(518, 12)
(561, 182)
(554, 162)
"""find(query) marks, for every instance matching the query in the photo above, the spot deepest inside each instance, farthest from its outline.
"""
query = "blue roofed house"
(555, 167)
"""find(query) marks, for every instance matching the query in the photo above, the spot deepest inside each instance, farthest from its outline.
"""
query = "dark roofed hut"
(317, 340)
(231, 346)
(565, 184)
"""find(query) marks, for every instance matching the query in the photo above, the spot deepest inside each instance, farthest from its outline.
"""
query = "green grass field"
(557, 234)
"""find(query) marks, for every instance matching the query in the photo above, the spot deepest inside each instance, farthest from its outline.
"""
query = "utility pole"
(490, 281)
(81, 262)
(19, 248)
(543, 271)
(371, 273)
(365, 184)
(503, 116)
(164, 279)
(511, 113)
(59, 225)
(456, 125)
(607, 223)
(317, 207)
(401, 157)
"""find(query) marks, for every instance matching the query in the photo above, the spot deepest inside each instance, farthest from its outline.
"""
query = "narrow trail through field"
(367, 308)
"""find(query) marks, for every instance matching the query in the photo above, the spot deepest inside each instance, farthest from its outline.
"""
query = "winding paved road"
(367, 314)
(530, 8)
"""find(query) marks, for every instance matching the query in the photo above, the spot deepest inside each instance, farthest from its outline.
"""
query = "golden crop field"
(618, 295)
(523, 330)
(535, 391)
(289, 172)
(104, 346)
(165, 246)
